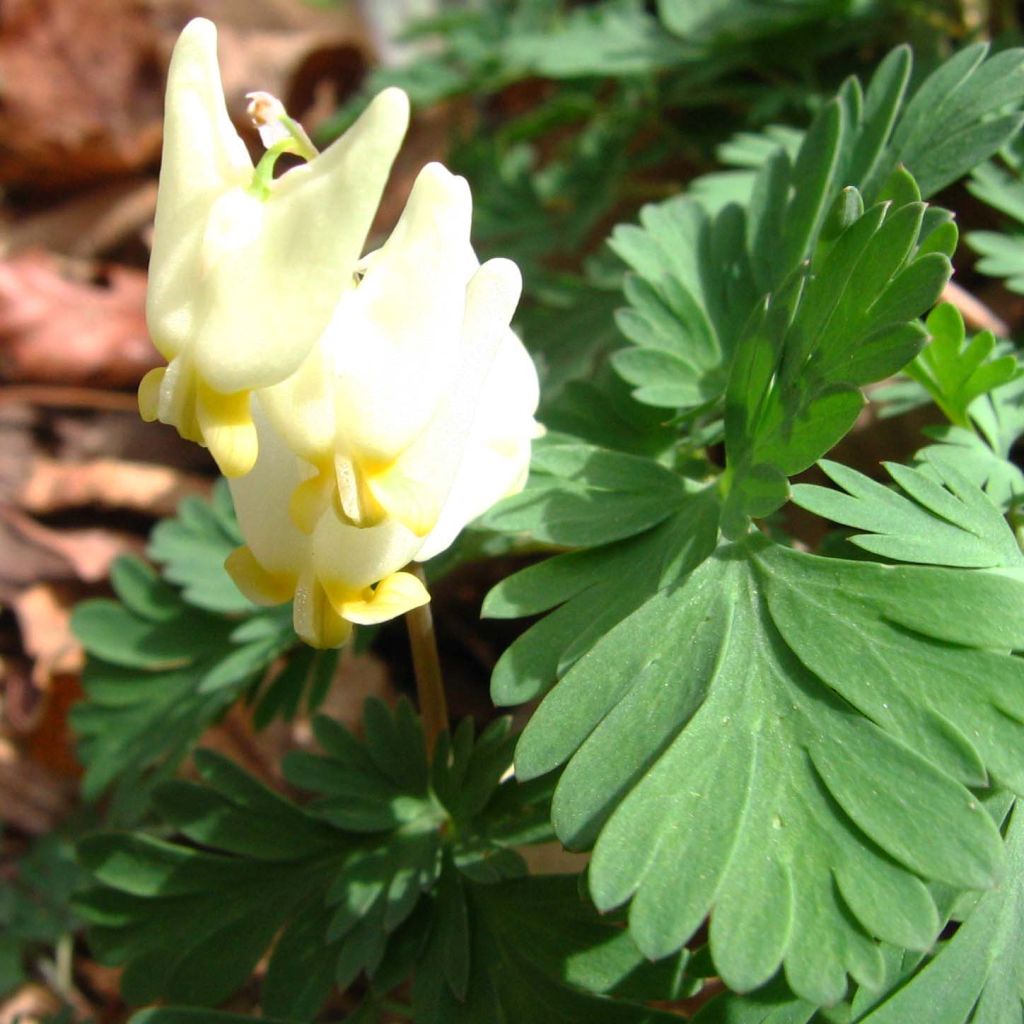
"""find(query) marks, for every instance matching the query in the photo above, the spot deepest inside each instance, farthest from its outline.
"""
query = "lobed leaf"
(956, 372)
(581, 495)
(940, 518)
(820, 704)
(978, 975)
(420, 891)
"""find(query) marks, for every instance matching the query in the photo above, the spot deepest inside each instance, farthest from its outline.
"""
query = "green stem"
(427, 668)
(64, 965)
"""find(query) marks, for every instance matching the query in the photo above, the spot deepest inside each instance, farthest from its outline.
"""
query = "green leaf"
(336, 887)
(983, 454)
(692, 288)
(793, 389)
(978, 976)
(739, 20)
(956, 372)
(1002, 255)
(189, 1015)
(537, 955)
(193, 546)
(617, 38)
(165, 663)
(34, 906)
(1001, 186)
(958, 116)
(941, 518)
(772, 1004)
(189, 924)
(811, 721)
(602, 412)
(595, 589)
(153, 685)
(582, 495)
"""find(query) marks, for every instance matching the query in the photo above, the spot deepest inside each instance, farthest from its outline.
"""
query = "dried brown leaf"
(30, 1004)
(56, 329)
(32, 799)
(87, 225)
(43, 612)
(82, 91)
(84, 554)
(155, 490)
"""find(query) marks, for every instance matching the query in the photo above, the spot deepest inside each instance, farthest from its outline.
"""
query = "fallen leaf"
(82, 91)
(87, 225)
(23, 560)
(57, 329)
(43, 612)
(51, 485)
(51, 743)
(30, 1004)
(85, 554)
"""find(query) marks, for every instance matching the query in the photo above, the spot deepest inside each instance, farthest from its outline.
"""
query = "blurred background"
(565, 117)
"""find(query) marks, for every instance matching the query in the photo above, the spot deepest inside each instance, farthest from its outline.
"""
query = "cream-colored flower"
(247, 269)
(325, 524)
(392, 400)
(365, 409)
(337, 574)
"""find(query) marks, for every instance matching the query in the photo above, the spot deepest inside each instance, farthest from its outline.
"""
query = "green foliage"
(712, 19)
(530, 951)
(189, 923)
(977, 977)
(399, 867)
(783, 305)
(793, 390)
(798, 759)
(954, 373)
(772, 1004)
(822, 791)
(192, 547)
(941, 518)
(1000, 185)
(34, 907)
(595, 589)
(585, 496)
(166, 663)
(958, 116)
(692, 289)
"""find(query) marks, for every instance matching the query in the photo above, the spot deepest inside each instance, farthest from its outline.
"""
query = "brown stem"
(427, 668)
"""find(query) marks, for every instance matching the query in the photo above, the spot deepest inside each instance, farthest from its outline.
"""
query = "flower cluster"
(363, 407)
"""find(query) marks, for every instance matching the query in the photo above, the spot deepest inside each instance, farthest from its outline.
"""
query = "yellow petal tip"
(393, 596)
(149, 393)
(255, 582)
(228, 430)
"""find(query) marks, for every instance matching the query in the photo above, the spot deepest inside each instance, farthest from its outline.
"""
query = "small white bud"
(268, 115)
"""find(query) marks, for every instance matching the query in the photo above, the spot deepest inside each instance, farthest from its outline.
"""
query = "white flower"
(364, 409)
(397, 431)
(330, 572)
(385, 405)
(246, 269)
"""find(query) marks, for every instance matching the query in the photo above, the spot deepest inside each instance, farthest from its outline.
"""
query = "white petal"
(497, 454)
(396, 338)
(202, 157)
(416, 487)
(272, 299)
(262, 499)
(356, 558)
